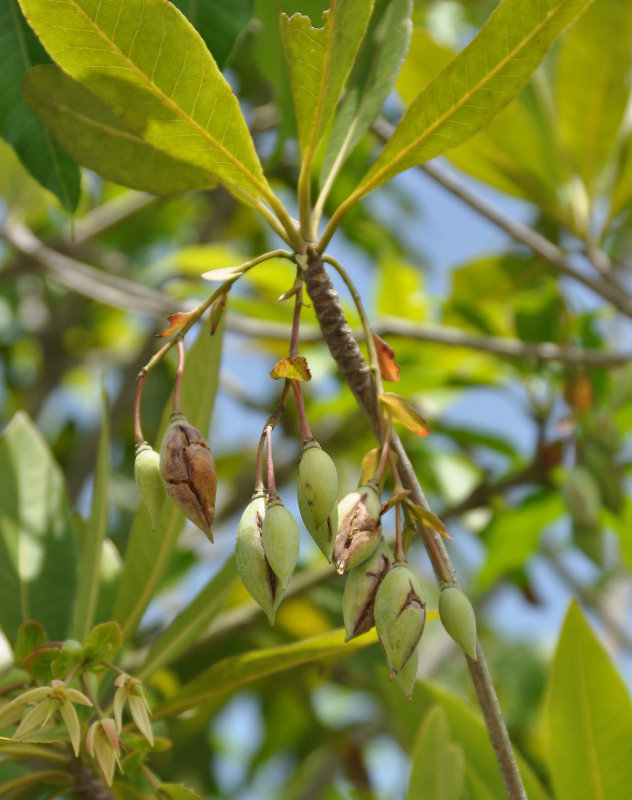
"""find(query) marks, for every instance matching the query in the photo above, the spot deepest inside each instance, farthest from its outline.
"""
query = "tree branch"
(612, 291)
(347, 354)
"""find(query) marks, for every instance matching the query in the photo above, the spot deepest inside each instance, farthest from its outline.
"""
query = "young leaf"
(42, 157)
(474, 87)
(221, 23)
(319, 60)
(97, 139)
(91, 545)
(438, 764)
(177, 791)
(38, 557)
(102, 642)
(428, 518)
(191, 622)
(30, 636)
(240, 670)
(294, 369)
(176, 322)
(402, 412)
(591, 103)
(374, 72)
(589, 718)
(149, 551)
(389, 368)
(146, 61)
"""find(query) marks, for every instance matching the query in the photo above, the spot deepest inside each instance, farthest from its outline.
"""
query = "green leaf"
(30, 636)
(589, 718)
(221, 23)
(319, 60)
(591, 102)
(67, 659)
(437, 764)
(191, 623)
(177, 791)
(374, 72)
(146, 61)
(474, 87)
(42, 157)
(236, 671)
(513, 535)
(40, 663)
(468, 730)
(97, 139)
(37, 548)
(515, 152)
(149, 551)
(102, 641)
(94, 534)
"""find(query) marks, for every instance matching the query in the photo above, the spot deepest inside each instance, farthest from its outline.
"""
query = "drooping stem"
(306, 433)
(138, 430)
(270, 423)
(177, 386)
(348, 356)
(400, 553)
(271, 482)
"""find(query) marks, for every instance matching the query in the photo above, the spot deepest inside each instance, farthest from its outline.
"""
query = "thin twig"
(107, 215)
(615, 294)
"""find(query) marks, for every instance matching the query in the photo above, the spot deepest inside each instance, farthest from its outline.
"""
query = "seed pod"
(317, 492)
(252, 564)
(279, 535)
(457, 616)
(407, 676)
(188, 469)
(151, 486)
(360, 589)
(359, 527)
(400, 615)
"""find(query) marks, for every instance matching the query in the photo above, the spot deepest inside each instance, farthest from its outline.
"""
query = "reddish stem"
(400, 554)
(271, 482)
(270, 423)
(306, 433)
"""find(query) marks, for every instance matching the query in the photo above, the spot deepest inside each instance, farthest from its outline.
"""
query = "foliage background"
(508, 433)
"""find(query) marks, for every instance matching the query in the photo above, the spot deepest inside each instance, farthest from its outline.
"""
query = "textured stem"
(355, 371)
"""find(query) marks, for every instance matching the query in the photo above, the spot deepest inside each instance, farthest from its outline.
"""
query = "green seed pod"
(151, 486)
(407, 676)
(280, 540)
(400, 615)
(317, 492)
(188, 470)
(457, 616)
(360, 589)
(252, 564)
(359, 527)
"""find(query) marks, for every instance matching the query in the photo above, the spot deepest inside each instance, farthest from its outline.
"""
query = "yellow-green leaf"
(319, 60)
(236, 671)
(589, 718)
(401, 411)
(97, 139)
(428, 518)
(294, 369)
(438, 769)
(475, 86)
(146, 61)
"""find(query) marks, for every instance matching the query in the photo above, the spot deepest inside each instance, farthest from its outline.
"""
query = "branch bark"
(347, 354)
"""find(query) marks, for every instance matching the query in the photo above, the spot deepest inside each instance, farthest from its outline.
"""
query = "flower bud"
(151, 486)
(279, 535)
(188, 470)
(457, 616)
(317, 492)
(400, 615)
(360, 589)
(407, 676)
(359, 527)
(252, 564)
